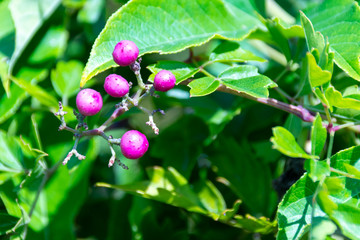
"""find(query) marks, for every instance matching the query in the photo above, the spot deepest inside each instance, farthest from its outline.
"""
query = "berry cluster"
(133, 144)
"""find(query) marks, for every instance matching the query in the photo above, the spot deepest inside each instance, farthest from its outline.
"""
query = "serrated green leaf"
(232, 52)
(65, 78)
(203, 86)
(143, 23)
(317, 76)
(317, 170)
(28, 17)
(340, 200)
(181, 71)
(336, 99)
(293, 224)
(318, 136)
(338, 21)
(285, 142)
(246, 79)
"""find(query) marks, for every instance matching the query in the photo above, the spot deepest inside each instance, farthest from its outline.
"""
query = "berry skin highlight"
(125, 53)
(164, 81)
(116, 86)
(133, 144)
(89, 102)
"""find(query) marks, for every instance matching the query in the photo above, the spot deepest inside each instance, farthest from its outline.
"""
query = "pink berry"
(89, 102)
(116, 86)
(125, 53)
(164, 81)
(133, 144)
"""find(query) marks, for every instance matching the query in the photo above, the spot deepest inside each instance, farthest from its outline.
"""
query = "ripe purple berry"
(116, 86)
(133, 144)
(164, 81)
(125, 53)
(89, 102)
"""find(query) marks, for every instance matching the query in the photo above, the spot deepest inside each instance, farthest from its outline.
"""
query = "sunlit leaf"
(246, 79)
(318, 136)
(28, 17)
(285, 142)
(141, 21)
(338, 21)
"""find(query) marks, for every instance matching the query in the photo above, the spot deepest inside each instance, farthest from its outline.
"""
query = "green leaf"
(37, 92)
(321, 96)
(317, 170)
(246, 79)
(338, 21)
(28, 17)
(275, 29)
(7, 31)
(318, 136)
(232, 52)
(181, 71)
(166, 186)
(293, 224)
(260, 225)
(210, 198)
(183, 141)
(10, 154)
(4, 68)
(9, 105)
(314, 40)
(340, 201)
(236, 165)
(285, 142)
(203, 86)
(336, 99)
(321, 228)
(91, 11)
(170, 187)
(317, 76)
(7, 222)
(192, 24)
(51, 46)
(65, 78)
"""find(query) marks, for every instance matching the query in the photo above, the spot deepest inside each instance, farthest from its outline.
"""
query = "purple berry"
(164, 81)
(133, 144)
(125, 53)
(116, 86)
(89, 102)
